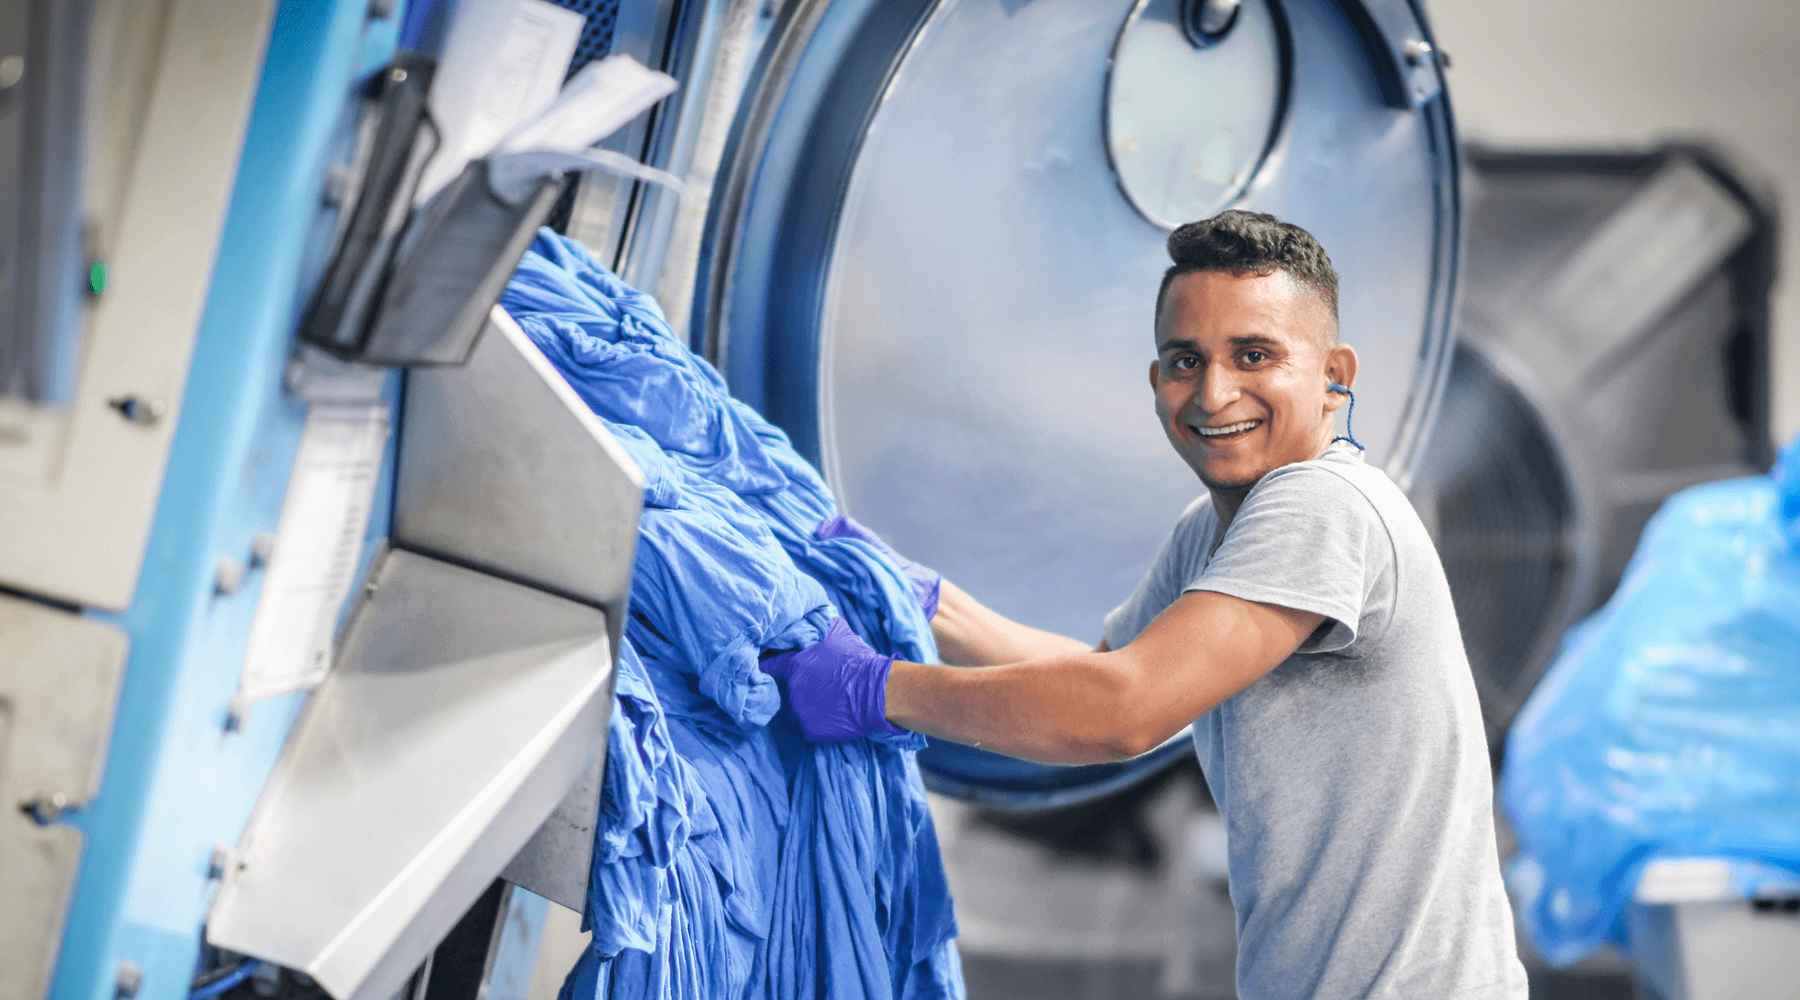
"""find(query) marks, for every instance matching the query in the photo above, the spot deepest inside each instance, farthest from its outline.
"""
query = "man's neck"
(1225, 504)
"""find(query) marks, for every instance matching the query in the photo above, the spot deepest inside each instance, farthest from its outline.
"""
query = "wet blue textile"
(733, 859)
(1669, 724)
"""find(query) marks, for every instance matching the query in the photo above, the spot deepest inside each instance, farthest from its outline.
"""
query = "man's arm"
(1084, 707)
(970, 634)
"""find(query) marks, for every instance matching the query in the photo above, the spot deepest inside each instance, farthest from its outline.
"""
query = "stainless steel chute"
(937, 239)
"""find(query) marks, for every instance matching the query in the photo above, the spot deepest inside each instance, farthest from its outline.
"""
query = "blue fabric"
(733, 859)
(1669, 724)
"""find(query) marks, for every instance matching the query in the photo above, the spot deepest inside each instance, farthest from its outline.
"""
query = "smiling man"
(1298, 616)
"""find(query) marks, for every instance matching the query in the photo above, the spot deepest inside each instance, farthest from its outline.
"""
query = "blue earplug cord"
(1349, 431)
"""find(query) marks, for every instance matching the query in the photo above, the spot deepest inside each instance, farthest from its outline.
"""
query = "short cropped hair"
(1246, 243)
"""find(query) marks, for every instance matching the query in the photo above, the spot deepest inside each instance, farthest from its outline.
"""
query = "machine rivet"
(128, 980)
(262, 548)
(235, 712)
(1206, 22)
(140, 411)
(12, 70)
(337, 185)
(216, 862)
(1418, 52)
(46, 808)
(228, 575)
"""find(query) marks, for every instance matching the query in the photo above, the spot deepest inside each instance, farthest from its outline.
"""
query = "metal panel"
(78, 489)
(460, 711)
(556, 861)
(499, 453)
(59, 684)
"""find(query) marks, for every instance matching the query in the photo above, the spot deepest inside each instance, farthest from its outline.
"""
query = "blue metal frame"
(178, 784)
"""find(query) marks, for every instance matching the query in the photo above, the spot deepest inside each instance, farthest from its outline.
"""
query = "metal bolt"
(1206, 22)
(262, 548)
(128, 980)
(45, 808)
(140, 411)
(216, 862)
(1216, 15)
(293, 377)
(338, 181)
(397, 75)
(228, 575)
(234, 715)
(1418, 52)
(12, 70)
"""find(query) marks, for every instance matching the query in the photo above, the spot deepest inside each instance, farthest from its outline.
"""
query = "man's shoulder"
(1340, 477)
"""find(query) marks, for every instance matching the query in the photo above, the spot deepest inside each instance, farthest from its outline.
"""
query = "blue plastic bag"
(1669, 725)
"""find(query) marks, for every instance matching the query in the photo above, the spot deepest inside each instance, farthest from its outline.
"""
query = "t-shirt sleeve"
(1162, 583)
(1306, 539)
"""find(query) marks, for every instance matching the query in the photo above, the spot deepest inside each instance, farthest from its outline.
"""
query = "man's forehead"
(1232, 310)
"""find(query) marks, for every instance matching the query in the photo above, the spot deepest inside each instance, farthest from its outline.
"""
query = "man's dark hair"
(1245, 243)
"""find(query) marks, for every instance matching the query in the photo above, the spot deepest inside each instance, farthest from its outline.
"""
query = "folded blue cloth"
(733, 859)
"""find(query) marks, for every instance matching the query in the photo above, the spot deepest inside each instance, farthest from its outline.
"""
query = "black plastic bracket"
(410, 286)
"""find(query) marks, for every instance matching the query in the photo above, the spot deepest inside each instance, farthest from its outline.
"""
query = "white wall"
(1633, 71)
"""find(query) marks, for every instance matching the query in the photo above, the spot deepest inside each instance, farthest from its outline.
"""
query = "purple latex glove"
(926, 583)
(837, 687)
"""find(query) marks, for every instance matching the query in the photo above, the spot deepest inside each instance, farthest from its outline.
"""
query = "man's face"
(1241, 370)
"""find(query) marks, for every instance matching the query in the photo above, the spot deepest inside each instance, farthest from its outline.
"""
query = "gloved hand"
(837, 687)
(926, 583)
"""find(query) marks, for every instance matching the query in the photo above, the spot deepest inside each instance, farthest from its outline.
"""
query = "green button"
(96, 277)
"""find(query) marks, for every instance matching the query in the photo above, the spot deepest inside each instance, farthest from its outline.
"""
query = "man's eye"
(1255, 357)
(1184, 362)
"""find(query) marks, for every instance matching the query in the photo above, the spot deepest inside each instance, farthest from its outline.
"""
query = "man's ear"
(1155, 376)
(1340, 367)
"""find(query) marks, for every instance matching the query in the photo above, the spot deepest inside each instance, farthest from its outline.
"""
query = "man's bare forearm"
(970, 634)
(1075, 708)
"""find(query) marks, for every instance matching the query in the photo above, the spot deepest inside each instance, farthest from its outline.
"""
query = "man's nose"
(1218, 388)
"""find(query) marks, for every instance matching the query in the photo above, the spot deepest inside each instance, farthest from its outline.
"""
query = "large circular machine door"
(936, 244)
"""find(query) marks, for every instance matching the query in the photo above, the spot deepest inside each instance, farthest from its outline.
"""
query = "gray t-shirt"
(1353, 778)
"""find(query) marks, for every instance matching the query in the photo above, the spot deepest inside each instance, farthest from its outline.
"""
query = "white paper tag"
(503, 64)
(323, 520)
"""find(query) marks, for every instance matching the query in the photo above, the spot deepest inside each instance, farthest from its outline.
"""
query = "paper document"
(503, 64)
(323, 520)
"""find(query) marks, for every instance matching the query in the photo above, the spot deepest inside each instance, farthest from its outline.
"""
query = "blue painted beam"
(177, 783)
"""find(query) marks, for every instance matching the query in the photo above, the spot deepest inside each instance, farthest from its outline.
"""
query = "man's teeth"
(1236, 428)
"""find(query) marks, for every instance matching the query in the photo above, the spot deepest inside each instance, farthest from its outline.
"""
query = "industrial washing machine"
(923, 237)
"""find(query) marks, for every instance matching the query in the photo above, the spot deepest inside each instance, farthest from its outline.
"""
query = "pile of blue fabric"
(733, 859)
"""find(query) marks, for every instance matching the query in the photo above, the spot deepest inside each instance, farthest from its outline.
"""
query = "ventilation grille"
(597, 35)
(1505, 514)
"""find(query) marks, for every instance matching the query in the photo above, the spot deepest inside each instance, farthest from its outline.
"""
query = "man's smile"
(1224, 432)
